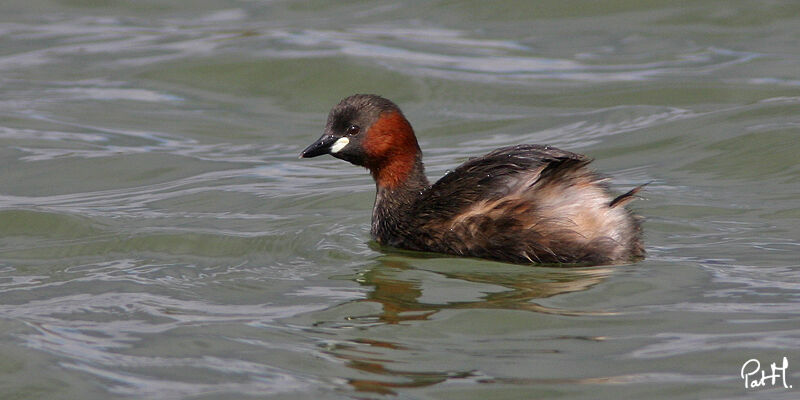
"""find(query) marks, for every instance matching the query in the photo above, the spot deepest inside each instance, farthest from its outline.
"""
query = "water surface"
(160, 239)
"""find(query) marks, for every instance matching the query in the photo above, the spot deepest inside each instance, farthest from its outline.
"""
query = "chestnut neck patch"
(392, 150)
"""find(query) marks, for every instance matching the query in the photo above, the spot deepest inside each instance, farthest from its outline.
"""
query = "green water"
(159, 238)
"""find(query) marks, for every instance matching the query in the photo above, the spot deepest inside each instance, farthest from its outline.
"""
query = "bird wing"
(498, 174)
(516, 203)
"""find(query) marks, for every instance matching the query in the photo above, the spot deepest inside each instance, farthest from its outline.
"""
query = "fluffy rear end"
(574, 205)
(565, 214)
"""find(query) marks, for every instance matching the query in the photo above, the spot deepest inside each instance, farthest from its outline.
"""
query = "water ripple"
(673, 344)
(92, 340)
(494, 67)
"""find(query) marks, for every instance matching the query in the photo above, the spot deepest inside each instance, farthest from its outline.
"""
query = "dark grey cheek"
(349, 156)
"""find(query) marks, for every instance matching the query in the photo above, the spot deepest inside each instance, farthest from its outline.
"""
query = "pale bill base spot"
(339, 144)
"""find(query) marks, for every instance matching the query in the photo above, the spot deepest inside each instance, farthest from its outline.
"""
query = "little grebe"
(520, 204)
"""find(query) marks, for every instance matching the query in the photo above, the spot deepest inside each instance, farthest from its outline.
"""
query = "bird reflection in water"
(398, 288)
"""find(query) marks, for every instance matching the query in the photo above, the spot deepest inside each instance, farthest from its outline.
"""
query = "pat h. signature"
(752, 367)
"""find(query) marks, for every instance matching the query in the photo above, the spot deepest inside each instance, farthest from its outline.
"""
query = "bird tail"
(627, 197)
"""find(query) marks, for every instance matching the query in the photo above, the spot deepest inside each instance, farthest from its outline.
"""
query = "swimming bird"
(521, 204)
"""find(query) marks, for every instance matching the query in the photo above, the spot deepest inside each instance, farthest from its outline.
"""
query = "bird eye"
(352, 130)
